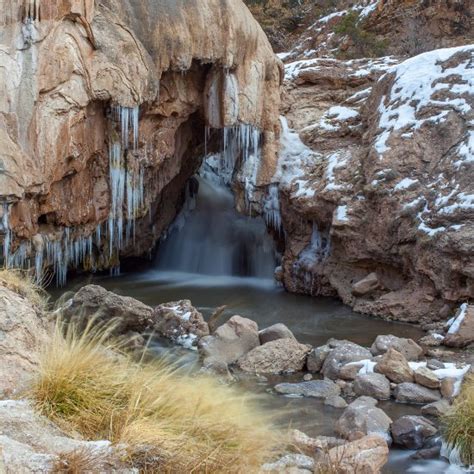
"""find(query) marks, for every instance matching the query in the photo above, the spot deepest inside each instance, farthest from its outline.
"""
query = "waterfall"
(211, 238)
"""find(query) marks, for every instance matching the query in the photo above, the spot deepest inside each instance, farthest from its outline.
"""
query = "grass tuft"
(79, 461)
(458, 424)
(170, 420)
(22, 283)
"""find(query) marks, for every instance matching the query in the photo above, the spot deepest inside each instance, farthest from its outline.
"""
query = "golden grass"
(79, 461)
(170, 420)
(22, 283)
(458, 424)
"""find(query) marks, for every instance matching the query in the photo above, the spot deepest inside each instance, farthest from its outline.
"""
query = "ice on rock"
(455, 324)
(271, 208)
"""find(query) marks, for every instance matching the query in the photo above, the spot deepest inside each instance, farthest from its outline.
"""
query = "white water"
(211, 238)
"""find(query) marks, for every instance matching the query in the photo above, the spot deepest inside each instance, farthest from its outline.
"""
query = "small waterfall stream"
(210, 237)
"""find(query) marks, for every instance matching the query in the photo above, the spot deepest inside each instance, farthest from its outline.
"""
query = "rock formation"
(105, 108)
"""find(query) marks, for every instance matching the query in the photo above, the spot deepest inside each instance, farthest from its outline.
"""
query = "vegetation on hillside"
(22, 283)
(170, 421)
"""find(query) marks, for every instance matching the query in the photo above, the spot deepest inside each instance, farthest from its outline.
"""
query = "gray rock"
(335, 401)
(317, 357)
(434, 364)
(275, 357)
(289, 461)
(372, 385)
(438, 409)
(341, 355)
(230, 341)
(411, 432)
(414, 393)
(307, 377)
(313, 388)
(274, 332)
(362, 417)
(408, 347)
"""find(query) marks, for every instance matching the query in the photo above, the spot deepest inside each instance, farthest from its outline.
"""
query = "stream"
(215, 256)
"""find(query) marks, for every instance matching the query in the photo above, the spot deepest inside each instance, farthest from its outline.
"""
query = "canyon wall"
(105, 107)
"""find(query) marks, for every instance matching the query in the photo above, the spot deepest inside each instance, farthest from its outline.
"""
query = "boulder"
(366, 286)
(395, 367)
(274, 332)
(437, 409)
(426, 377)
(275, 357)
(431, 340)
(461, 331)
(313, 388)
(434, 364)
(341, 355)
(23, 333)
(448, 388)
(304, 443)
(229, 342)
(411, 431)
(335, 401)
(362, 417)
(408, 347)
(294, 463)
(414, 393)
(94, 302)
(180, 321)
(366, 455)
(350, 371)
(372, 385)
(317, 357)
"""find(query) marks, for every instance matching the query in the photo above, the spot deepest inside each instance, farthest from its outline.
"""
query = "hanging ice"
(271, 208)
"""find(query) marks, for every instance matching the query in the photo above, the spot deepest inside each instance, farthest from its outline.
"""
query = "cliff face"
(104, 112)
(376, 192)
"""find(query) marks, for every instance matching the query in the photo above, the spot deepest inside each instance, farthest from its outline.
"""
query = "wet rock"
(395, 367)
(366, 286)
(362, 417)
(230, 341)
(366, 455)
(372, 385)
(448, 388)
(317, 357)
(275, 357)
(427, 453)
(180, 321)
(23, 334)
(434, 364)
(426, 377)
(274, 332)
(94, 302)
(288, 462)
(335, 401)
(437, 409)
(313, 388)
(461, 332)
(414, 393)
(407, 347)
(411, 432)
(342, 354)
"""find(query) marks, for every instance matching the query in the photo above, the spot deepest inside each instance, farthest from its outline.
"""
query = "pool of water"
(313, 320)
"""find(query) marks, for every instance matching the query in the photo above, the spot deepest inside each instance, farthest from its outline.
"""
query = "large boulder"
(94, 302)
(230, 341)
(395, 367)
(275, 357)
(274, 332)
(180, 321)
(362, 417)
(23, 333)
(372, 385)
(411, 432)
(414, 393)
(366, 455)
(461, 331)
(437, 409)
(426, 377)
(341, 355)
(313, 388)
(316, 358)
(408, 347)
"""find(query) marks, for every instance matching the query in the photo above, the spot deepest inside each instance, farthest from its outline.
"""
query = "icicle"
(7, 233)
(271, 208)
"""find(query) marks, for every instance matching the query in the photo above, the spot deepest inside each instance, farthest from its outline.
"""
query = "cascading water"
(211, 238)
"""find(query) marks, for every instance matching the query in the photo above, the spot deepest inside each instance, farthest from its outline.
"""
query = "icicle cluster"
(271, 208)
(32, 10)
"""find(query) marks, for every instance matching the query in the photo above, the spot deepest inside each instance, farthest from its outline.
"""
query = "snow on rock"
(341, 214)
(426, 89)
(335, 161)
(455, 323)
(405, 183)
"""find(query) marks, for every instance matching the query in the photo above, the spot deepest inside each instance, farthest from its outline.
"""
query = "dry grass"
(170, 421)
(458, 424)
(22, 283)
(79, 461)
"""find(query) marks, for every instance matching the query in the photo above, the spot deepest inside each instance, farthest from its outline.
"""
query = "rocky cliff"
(105, 108)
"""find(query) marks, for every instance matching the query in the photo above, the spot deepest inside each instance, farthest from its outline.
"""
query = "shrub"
(169, 420)
(458, 424)
(22, 283)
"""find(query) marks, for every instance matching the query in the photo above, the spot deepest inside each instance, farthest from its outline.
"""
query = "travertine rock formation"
(104, 107)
